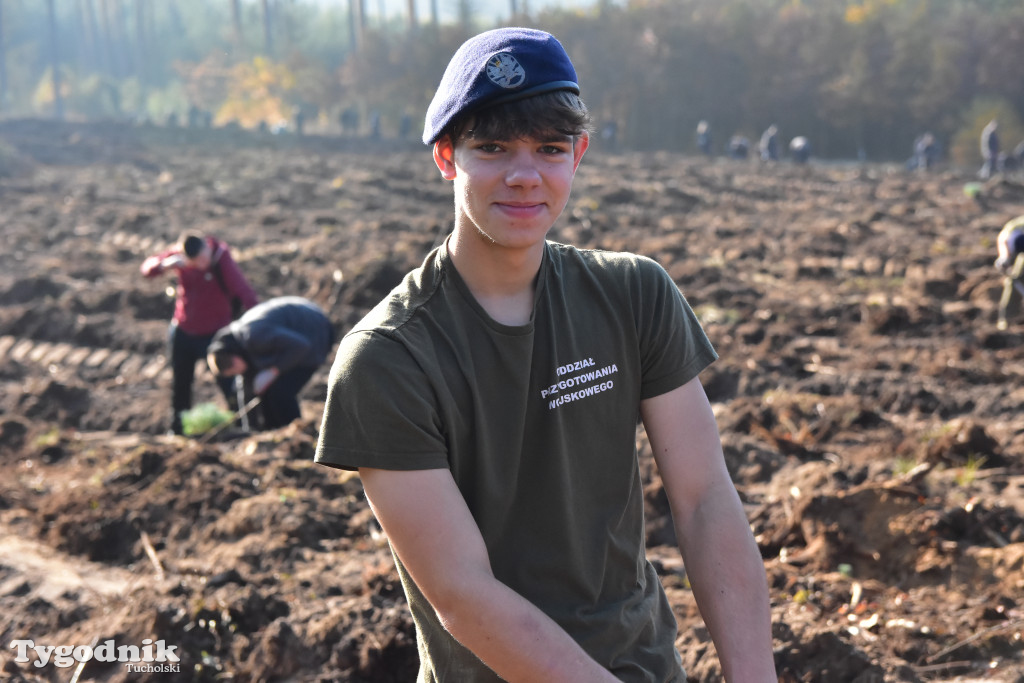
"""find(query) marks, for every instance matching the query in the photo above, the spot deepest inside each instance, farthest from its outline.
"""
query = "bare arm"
(719, 551)
(434, 534)
(161, 263)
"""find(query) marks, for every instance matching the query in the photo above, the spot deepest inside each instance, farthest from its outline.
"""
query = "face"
(201, 260)
(508, 193)
(237, 367)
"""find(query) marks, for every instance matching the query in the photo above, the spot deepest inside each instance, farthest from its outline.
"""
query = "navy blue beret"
(498, 66)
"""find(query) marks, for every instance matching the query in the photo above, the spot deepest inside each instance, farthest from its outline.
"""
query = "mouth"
(520, 208)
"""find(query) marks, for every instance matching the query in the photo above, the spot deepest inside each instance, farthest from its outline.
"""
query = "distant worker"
(739, 147)
(925, 153)
(349, 121)
(704, 137)
(1008, 162)
(405, 127)
(989, 150)
(276, 346)
(375, 125)
(211, 290)
(1010, 246)
(610, 133)
(800, 149)
(769, 144)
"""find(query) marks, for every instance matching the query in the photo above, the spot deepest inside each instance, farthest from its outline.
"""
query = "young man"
(490, 404)
(209, 284)
(277, 346)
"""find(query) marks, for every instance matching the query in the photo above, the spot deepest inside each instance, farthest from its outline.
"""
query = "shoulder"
(1014, 225)
(418, 291)
(219, 249)
(611, 265)
(376, 361)
(599, 258)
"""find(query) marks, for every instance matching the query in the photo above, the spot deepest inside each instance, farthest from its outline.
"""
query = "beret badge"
(504, 71)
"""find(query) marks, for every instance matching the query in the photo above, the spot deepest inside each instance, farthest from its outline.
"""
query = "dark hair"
(222, 360)
(192, 244)
(562, 112)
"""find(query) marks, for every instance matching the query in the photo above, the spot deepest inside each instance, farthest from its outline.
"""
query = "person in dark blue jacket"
(704, 138)
(276, 346)
(989, 150)
(769, 144)
(800, 149)
(926, 153)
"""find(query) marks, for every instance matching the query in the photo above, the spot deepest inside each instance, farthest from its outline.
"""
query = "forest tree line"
(857, 77)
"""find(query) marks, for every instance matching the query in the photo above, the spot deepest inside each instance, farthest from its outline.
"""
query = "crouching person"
(277, 346)
(1010, 245)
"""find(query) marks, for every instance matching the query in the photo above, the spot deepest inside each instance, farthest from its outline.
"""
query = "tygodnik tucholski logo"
(150, 657)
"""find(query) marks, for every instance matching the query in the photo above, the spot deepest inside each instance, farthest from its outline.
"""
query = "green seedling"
(203, 418)
(969, 471)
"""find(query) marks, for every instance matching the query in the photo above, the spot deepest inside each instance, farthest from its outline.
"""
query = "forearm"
(152, 267)
(160, 263)
(727, 574)
(435, 536)
(513, 637)
(719, 551)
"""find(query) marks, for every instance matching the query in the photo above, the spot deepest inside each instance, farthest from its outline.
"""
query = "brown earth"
(869, 408)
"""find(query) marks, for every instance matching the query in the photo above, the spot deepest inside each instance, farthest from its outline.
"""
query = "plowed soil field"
(869, 408)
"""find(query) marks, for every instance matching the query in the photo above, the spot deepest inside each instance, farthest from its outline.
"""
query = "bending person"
(276, 346)
(1010, 246)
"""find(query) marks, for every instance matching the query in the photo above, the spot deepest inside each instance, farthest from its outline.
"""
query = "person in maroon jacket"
(211, 291)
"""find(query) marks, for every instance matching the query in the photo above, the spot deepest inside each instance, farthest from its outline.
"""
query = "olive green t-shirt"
(537, 424)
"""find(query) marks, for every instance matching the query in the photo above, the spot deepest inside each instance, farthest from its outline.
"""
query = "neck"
(502, 280)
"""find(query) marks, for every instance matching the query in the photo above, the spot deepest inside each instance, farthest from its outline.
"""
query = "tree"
(411, 13)
(357, 22)
(58, 102)
(465, 11)
(99, 57)
(236, 24)
(142, 55)
(86, 35)
(268, 43)
(107, 38)
(3, 61)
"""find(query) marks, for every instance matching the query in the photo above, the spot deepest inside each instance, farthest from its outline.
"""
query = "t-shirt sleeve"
(380, 410)
(673, 346)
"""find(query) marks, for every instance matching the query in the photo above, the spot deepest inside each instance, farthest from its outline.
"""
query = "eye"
(489, 147)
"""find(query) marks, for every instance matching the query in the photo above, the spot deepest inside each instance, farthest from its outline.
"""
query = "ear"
(444, 157)
(579, 146)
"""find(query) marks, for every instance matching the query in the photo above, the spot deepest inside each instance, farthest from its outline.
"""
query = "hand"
(173, 261)
(263, 379)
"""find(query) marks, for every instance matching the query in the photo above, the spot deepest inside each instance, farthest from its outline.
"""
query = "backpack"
(236, 301)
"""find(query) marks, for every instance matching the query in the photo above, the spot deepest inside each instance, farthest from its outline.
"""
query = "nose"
(523, 170)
